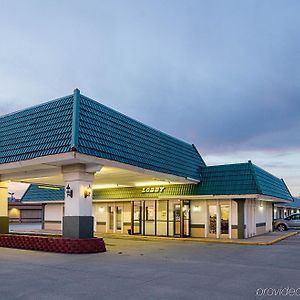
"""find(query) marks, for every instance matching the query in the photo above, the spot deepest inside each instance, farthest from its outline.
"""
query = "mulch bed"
(52, 243)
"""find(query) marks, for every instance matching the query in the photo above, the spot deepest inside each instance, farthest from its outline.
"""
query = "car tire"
(281, 227)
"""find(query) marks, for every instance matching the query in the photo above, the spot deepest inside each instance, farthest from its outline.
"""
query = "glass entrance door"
(137, 217)
(212, 222)
(177, 218)
(182, 219)
(224, 221)
(186, 218)
(110, 219)
(118, 218)
(219, 221)
(161, 217)
(150, 217)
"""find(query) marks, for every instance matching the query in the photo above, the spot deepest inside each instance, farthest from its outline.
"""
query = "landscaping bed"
(52, 243)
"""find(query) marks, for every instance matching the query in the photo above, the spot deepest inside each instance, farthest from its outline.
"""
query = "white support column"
(269, 216)
(4, 220)
(247, 219)
(78, 221)
(254, 216)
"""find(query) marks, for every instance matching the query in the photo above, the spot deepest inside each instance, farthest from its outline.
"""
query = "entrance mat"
(52, 244)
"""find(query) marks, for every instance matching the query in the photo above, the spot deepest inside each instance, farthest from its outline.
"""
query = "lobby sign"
(158, 189)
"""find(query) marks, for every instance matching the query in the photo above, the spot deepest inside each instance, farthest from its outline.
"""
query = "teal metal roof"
(271, 185)
(38, 131)
(235, 179)
(39, 193)
(232, 179)
(294, 204)
(239, 179)
(77, 123)
(105, 133)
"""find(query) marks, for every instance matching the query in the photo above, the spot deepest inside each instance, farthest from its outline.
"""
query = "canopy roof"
(234, 180)
(241, 179)
(76, 123)
(43, 193)
(294, 204)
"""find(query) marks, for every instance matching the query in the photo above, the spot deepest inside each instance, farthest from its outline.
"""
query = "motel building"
(283, 210)
(94, 169)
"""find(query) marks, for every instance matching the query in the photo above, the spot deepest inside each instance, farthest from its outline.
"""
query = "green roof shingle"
(38, 131)
(77, 123)
(294, 204)
(41, 193)
(234, 179)
(105, 133)
(240, 179)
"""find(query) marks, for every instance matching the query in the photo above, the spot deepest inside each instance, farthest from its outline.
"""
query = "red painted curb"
(52, 244)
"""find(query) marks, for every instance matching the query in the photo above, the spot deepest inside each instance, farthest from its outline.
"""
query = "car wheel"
(281, 227)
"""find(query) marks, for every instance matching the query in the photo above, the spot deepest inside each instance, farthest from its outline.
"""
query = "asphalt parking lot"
(162, 269)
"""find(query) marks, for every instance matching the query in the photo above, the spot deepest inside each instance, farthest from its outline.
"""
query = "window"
(149, 213)
(111, 218)
(119, 218)
(295, 217)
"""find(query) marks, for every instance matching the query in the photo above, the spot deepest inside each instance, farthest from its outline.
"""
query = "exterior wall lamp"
(88, 192)
(11, 197)
(69, 192)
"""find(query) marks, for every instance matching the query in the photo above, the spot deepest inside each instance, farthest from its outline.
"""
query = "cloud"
(224, 76)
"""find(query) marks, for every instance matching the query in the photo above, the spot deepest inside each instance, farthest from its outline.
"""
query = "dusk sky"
(224, 75)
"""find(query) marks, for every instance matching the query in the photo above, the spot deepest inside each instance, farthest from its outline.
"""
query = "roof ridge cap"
(230, 164)
(287, 189)
(255, 177)
(75, 120)
(193, 145)
(26, 192)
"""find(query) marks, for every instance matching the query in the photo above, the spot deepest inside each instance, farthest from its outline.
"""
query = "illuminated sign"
(158, 189)
(49, 187)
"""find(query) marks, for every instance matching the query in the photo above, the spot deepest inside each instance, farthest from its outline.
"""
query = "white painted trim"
(201, 197)
(53, 171)
(58, 160)
(43, 202)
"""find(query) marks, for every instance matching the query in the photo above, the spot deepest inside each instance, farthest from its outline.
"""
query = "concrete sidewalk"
(264, 239)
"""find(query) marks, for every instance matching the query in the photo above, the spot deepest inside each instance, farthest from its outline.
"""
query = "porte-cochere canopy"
(78, 123)
(75, 143)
